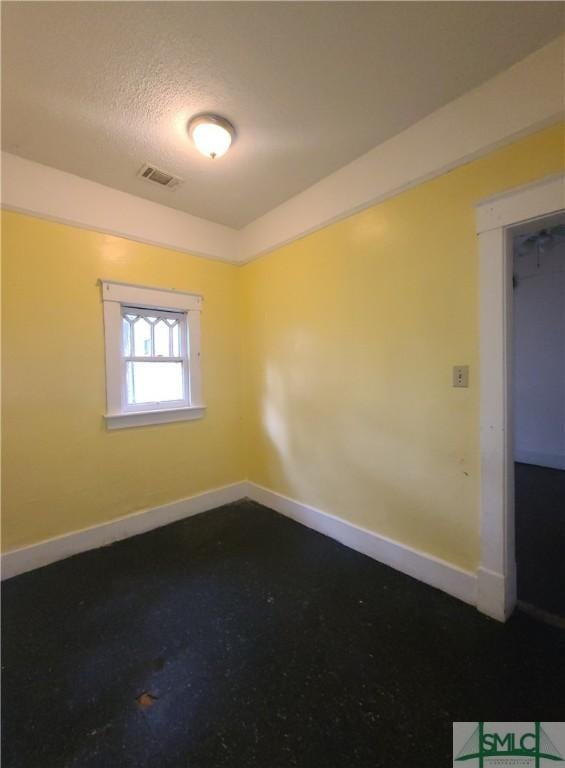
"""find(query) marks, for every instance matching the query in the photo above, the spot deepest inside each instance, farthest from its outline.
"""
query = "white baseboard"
(48, 551)
(494, 597)
(426, 568)
(551, 460)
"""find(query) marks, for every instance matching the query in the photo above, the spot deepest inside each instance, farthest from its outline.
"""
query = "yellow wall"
(327, 369)
(62, 470)
(351, 334)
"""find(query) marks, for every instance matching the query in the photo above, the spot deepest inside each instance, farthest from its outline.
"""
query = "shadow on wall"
(387, 476)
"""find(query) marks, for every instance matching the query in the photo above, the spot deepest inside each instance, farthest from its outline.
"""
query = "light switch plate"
(460, 375)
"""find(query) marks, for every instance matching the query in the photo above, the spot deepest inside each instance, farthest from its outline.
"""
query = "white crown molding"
(25, 559)
(413, 562)
(39, 190)
(519, 101)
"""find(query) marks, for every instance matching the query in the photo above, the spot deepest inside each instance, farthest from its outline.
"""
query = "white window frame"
(116, 296)
(182, 358)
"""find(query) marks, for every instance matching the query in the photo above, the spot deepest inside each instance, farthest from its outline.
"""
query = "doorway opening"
(499, 220)
(538, 424)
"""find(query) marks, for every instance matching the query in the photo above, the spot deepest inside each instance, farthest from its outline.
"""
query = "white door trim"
(496, 218)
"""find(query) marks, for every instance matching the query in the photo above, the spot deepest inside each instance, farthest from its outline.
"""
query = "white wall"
(539, 358)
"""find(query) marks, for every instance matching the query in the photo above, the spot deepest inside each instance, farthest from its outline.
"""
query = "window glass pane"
(176, 342)
(126, 337)
(162, 339)
(154, 382)
(141, 337)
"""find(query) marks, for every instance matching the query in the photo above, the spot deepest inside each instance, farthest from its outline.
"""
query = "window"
(152, 355)
(155, 354)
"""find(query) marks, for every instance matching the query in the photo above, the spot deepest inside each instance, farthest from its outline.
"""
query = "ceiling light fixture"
(212, 135)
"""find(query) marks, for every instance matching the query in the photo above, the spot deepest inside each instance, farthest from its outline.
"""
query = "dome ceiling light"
(212, 135)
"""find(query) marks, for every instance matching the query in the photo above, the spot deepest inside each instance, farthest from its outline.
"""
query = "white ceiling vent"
(157, 176)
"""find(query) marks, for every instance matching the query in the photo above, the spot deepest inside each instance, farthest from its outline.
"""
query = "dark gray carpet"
(239, 638)
(540, 537)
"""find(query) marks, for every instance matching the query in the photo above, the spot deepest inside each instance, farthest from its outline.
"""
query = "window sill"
(146, 418)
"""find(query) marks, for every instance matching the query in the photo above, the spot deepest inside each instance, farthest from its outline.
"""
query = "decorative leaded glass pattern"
(155, 356)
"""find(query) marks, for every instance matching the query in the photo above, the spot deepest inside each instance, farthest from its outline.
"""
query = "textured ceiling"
(97, 88)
